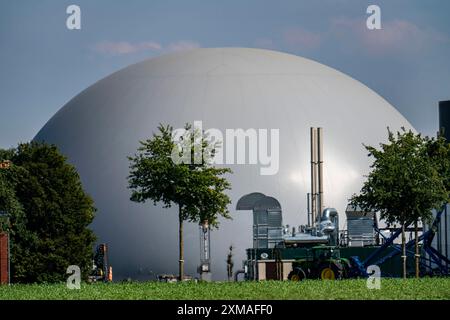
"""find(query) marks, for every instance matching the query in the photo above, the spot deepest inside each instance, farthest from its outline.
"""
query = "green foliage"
(8, 201)
(49, 213)
(196, 186)
(391, 289)
(407, 179)
(438, 150)
(179, 171)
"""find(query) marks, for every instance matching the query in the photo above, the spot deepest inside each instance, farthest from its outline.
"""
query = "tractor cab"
(321, 253)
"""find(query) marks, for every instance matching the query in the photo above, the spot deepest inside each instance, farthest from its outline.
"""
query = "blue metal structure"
(436, 264)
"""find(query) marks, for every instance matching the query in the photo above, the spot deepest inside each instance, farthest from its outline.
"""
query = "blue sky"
(43, 64)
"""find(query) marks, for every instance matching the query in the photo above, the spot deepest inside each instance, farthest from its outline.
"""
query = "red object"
(110, 274)
(3, 258)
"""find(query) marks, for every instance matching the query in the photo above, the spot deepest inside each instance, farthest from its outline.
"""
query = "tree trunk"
(181, 260)
(404, 250)
(417, 255)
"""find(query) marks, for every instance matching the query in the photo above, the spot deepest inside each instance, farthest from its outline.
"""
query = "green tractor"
(320, 262)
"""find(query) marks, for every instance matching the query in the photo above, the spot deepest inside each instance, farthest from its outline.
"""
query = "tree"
(404, 184)
(439, 152)
(49, 213)
(15, 224)
(179, 172)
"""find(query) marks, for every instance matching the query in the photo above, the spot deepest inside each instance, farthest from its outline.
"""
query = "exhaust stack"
(320, 170)
(313, 196)
(316, 196)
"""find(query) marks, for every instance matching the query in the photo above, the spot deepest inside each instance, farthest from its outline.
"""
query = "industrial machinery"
(309, 251)
(101, 270)
(205, 261)
(320, 262)
(320, 250)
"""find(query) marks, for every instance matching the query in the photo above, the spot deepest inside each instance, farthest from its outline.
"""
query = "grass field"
(432, 288)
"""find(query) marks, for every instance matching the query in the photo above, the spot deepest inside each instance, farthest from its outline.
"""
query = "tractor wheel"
(329, 272)
(297, 275)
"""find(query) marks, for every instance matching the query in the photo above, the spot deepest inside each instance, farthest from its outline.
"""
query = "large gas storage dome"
(225, 88)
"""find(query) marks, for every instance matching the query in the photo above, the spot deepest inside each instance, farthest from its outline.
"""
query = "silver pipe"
(313, 174)
(238, 272)
(308, 208)
(319, 213)
(332, 215)
(320, 205)
(329, 213)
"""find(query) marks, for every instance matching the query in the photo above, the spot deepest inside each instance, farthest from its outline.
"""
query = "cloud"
(351, 36)
(124, 47)
(182, 45)
(394, 37)
(299, 38)
(120, 48)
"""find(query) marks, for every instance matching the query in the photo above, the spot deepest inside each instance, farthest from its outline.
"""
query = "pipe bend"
(237, 273)
(329, 212)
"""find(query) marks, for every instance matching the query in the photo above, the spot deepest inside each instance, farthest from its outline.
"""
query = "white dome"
(226, 88)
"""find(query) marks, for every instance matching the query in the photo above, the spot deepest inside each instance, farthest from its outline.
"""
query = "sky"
(43, 64)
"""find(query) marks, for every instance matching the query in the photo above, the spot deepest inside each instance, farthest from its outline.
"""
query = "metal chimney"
(316, 175)
(313, 175)
(320, 169)
(444, 118)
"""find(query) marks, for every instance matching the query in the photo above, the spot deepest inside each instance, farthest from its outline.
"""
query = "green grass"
(429, 288)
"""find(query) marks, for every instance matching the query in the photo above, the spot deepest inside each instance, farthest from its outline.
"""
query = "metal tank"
(225, 88)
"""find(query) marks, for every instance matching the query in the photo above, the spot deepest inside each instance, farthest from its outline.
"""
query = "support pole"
(403, 250)
(446, 233)
(416, 248)
(181, 245)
